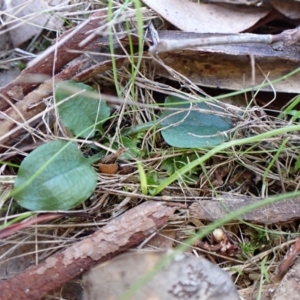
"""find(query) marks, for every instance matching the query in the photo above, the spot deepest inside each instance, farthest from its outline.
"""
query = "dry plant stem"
(287, 261)
(125, 231)
(21, 86)
(287, 37)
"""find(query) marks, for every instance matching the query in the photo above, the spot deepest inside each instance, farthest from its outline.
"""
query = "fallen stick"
(215, 209)
(287, 261)
(125, 231)
(286, 38)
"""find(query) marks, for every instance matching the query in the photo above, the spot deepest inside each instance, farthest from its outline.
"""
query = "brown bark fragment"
(210, 210)
(287, 261)
(99, 68)
(121, 233)
(289, 287)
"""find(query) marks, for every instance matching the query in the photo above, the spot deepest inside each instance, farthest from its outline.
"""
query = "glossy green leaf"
(55, 176)
(80, 114)
(190, 128)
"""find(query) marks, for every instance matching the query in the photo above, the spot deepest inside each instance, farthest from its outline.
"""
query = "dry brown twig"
(286, 38)
(287, 261)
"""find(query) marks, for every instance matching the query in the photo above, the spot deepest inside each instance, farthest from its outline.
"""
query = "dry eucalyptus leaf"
(186, 277)
(288, 8)
(199, 17)
(31, 17)
(164, 240)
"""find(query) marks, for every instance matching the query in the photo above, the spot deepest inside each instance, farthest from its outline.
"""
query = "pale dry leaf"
(25, 19)
(290, 9)
(164, 240)
(185, 277)
(207, 18)
(234, 73)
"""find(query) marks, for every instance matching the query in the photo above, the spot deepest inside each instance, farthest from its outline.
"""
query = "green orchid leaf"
(55, 176)
(191, 128)
(82, 115)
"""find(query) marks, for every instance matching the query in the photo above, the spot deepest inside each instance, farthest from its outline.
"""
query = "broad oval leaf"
(80, 114)
(191, 128)
(55, 176)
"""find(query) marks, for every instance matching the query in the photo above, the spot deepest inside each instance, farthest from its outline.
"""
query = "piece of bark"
(60, 57)
(289, 287)
(118, 235)
(287, 261)
(97, 69)
(211, 210)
